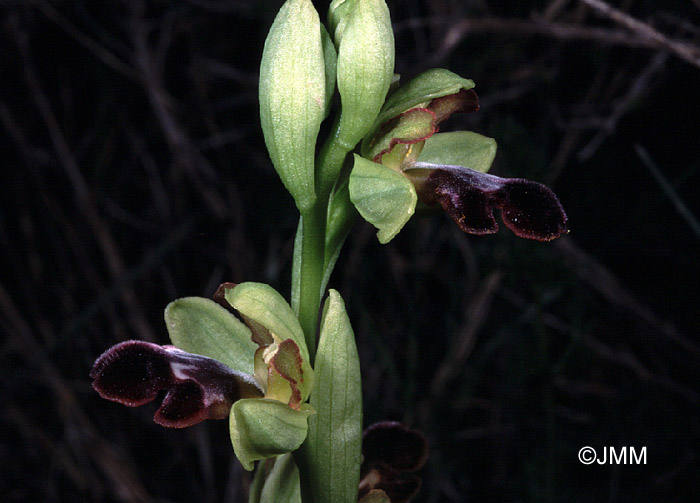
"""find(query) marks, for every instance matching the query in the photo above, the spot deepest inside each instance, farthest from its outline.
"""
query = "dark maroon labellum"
(531, 210)
(198, 388)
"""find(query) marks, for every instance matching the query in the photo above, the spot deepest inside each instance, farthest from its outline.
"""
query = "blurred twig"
(605, 283)
(83, 193)
(668, 189)
(685, 51)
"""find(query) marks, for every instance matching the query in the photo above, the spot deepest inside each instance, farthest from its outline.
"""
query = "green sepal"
(460, 148)
(264, 305)
(282, 483)
(201, 326)
(384, 198)
(261, 428)
(418, 91)
(293, 96)
(333, 449)
(365, 68)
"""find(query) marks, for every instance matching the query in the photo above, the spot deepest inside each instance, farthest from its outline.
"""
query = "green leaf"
(460, 148)
(262, 428)
(333, 449)
(201, 326)
(384, 198)
(365, 68)
(264, 305)
(282, 484)
(418, 91)
(293, 96)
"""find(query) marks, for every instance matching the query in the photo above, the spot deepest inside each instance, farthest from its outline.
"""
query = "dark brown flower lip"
(391, 453)
(133, 373)
(531, 210)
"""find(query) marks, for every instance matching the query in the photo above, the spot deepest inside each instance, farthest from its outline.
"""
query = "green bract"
(365, 67)
(384, 198)
(261, 428)
(203, 327)
(334, 445)
(293, 98)
(330, 57)
(281, 484)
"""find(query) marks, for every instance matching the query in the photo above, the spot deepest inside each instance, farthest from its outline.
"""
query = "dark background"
(134, 172)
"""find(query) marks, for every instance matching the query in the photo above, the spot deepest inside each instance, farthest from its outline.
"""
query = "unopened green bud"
(293, 96)
(365, 67)
(337, 17)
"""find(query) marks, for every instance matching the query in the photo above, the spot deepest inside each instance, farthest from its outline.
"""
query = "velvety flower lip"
(198, 388)
(391, 452)
(531, 210)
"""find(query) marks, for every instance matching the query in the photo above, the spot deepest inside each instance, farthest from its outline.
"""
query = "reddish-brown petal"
(410, 127)
(220, 295)
(465, 101)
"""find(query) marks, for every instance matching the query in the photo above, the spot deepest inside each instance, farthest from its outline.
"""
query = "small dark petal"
(401, 489)
(131, 373)
(394, 445)
(258, 333)
(220, 295)
(182, 406)
(465, 101)
(531, 210)
(373, 496)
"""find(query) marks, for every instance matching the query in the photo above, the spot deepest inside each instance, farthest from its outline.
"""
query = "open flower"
(198, 388)
(255, 372)
(405, 160)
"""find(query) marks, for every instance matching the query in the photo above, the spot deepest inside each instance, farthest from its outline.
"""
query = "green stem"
(330, 162)
(313, 241)
(312, 260)
(312, 251)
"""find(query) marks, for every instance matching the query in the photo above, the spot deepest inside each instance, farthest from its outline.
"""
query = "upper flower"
(445, 168)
